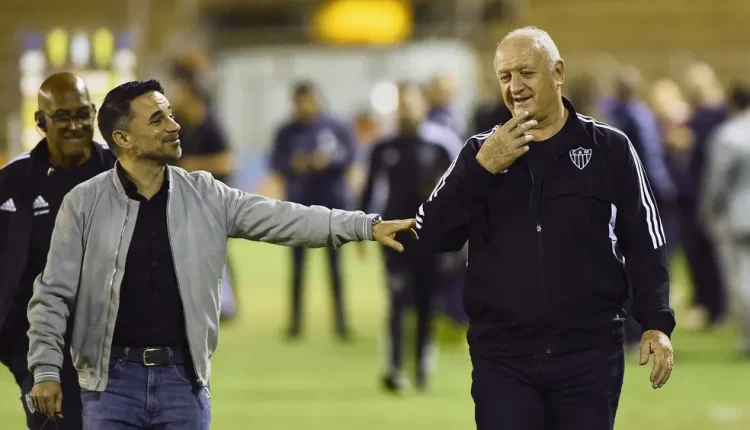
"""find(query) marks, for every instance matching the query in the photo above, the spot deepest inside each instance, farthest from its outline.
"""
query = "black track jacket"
(549, 271)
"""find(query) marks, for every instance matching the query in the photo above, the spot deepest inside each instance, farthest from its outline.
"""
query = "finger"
(49, 405)
(513, 123)
(666, 377)
(40, 404)
(396, 226)
(393, 244)
(58, 404)
(521, 128)
(659, 368)
(407, 224)
(661, 374)
(520, 151)
(523, 140)
(666, 362)
(645, 352)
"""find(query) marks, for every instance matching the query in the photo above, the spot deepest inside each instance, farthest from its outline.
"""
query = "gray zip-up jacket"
(90, 244)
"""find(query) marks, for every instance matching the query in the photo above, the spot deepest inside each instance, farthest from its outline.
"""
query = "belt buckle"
(145, 360)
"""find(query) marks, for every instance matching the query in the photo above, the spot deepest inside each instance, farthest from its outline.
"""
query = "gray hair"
(541, 40)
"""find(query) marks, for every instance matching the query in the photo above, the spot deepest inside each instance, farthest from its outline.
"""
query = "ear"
(558, 72)
(122, 139)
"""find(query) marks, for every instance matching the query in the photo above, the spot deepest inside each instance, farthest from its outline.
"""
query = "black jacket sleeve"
(365, 201)
(444, 220)
(640, 234)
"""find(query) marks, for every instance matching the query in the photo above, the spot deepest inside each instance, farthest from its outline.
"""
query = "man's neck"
(550, 125)
(58, 159)
(147, 176)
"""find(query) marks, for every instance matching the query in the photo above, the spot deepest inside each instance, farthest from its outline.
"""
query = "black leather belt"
(165, 356)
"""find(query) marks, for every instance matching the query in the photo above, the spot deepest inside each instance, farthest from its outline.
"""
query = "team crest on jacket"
(580, 157)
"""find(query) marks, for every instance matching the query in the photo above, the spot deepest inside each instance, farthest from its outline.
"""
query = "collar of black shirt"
(132, 190)
(39, 157)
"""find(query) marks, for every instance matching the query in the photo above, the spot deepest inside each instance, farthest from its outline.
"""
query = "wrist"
(371, 221)
(46, 373)
(485, 163)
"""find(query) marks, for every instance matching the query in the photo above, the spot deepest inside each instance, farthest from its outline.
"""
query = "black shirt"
(151, 312)
(48, 191)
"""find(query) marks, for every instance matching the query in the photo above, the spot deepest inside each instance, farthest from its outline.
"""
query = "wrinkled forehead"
(516, 54)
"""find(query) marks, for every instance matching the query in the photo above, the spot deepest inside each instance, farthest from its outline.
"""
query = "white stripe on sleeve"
(653, 221)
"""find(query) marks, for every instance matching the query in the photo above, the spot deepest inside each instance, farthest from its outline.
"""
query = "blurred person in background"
(440, 91)
(32, 187)
(584, 93)
(559, 229)
(725, 203)
(204, 147)
(634, 118)
(312, 154)
(367, 130)
(706, 96)
(405, 168)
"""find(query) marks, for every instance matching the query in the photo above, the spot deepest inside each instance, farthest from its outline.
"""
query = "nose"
(174, 127)
(75, 124)
(516, 85)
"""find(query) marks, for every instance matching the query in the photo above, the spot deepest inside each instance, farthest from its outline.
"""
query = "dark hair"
(114, 114)
(303, 88)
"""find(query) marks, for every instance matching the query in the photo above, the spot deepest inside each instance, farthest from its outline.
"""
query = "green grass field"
(262, 382)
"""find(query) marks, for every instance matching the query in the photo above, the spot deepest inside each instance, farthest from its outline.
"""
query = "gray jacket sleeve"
(54, 293)
(258, 218)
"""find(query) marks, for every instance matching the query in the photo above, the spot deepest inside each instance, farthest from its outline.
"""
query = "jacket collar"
(580, 137)
(122, 183)
(39, 156)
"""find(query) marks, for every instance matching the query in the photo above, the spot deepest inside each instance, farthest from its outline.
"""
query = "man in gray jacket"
(726, 202)
(138, 251)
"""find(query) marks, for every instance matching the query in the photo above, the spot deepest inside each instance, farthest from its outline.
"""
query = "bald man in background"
(32, 187)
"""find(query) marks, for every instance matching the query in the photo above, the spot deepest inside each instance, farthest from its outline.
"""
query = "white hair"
(540, 40)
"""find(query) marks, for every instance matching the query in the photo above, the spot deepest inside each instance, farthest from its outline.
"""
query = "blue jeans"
(568, 391)
(140, 397)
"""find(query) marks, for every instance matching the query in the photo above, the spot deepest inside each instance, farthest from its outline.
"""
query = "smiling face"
(152, 133)
(529, 81)
(68, 114)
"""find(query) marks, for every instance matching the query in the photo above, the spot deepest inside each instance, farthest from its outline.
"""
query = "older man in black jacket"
(561, 222)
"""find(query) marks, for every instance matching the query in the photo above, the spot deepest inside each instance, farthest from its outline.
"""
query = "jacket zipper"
(179, 289)
(540, 217)
(548, 350)
(114, 271)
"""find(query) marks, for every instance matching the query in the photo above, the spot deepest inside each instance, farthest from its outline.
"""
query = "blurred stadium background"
(246, 55)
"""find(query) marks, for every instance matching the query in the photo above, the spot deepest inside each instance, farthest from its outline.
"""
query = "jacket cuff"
(46, 373)
(662, 321)
(478, 179)
(368, 227)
